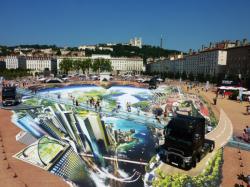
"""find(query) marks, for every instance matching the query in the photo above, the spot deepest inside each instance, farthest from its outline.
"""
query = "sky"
(183, 24)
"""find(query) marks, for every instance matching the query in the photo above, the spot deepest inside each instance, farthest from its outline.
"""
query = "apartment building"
(14, 62)
(210, 62)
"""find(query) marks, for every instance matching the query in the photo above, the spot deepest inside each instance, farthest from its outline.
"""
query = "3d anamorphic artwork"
(95, 136)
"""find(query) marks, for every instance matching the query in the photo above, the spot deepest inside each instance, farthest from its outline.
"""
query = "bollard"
(15, 175)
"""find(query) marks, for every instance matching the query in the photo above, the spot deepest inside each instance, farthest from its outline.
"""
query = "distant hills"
(119, 50)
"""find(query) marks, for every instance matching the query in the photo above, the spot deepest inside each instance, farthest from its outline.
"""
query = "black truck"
(185, 142)
(10, 96)
(153, 82)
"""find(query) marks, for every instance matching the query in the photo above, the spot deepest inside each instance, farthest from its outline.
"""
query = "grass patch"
(211, 176)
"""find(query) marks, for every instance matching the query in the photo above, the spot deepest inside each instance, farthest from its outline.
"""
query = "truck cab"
(185, 142)
(10, 96)
(153, 83)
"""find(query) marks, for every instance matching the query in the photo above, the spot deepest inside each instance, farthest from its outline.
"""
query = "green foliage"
(14, 73)
(146, 51)
(144, 105)
(210, 177)
(191, 76)
(76, 65)
(184, 75)
(66, 65)
(100, 65)
(85, 64)
(177, 75)
(200, 78)
(4, 51)
(32, 102)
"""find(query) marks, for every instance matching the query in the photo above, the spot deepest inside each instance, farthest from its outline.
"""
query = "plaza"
(125, 130)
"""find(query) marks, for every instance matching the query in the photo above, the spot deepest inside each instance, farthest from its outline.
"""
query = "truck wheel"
(211, 148)
(194, 162)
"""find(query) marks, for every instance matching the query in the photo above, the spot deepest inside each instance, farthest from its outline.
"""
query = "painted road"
(221, 135)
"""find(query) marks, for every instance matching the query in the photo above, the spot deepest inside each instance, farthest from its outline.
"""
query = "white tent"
(246, 93)
(231, 88)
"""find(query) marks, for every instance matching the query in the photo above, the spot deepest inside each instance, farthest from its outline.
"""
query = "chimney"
(190, 51)
(237, 43)
(244, 42)
(210, 45)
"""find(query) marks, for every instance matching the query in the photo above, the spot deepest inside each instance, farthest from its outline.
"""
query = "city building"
(208, 62)
(65, 118)
(59, 158)
(39, 64)
(238, 61)
(47, 125)
(2, 63)
(84, 47)
(120, 65)
(137, 42)
(88, 137)
(71, 167)
(105, 48)
(14, 62)
(99, 130)
(25, 138)
(127, 65)
(53, 116)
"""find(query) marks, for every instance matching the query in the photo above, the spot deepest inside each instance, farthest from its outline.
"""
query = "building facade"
(120, 65)
(39, 64)
(127, 65)
(2, 63)
(210, 62)
(14, 62)
(238, 61)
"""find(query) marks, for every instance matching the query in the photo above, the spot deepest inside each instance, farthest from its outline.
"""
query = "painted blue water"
(28, 124)
(146, 142)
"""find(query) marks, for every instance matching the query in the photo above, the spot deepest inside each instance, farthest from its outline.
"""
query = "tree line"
(14, 73)
(145, 52)
(191, 77)
(97, 65)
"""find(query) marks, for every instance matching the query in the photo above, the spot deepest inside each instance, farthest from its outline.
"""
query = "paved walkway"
(14, 173)
(236, 112)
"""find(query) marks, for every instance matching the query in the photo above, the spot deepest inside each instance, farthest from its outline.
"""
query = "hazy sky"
(184, 24)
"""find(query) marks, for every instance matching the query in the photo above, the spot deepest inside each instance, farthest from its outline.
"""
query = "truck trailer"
(10, 96)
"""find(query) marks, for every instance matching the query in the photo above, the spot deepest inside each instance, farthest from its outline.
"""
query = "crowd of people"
(94, 103)
(246, 134)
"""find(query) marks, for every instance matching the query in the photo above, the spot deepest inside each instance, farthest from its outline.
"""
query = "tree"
(101, 65)
(200, 77)
(184, 75)
(76, 65)
(58, 52)
(106, 66)
(87, 64)
(66, 65)
(177, 75)
(191, 76)
(208, 77)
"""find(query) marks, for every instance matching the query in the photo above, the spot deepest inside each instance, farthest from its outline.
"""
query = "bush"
(210, 177)
(234, 95)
